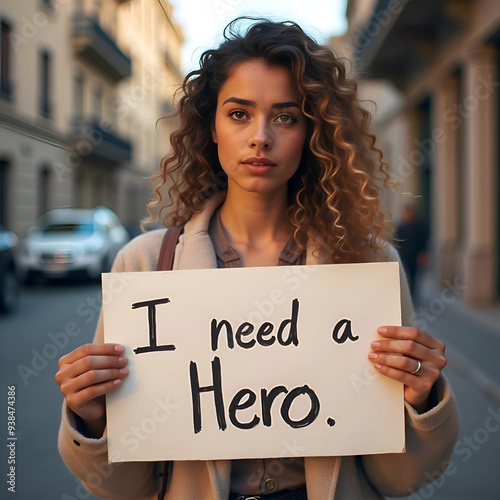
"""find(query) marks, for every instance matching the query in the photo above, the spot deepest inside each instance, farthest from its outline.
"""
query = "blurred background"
(83, 84)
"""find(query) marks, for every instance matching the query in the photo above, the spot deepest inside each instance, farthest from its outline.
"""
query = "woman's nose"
(261, 136)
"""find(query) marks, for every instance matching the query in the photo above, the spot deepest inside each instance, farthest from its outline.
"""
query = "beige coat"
(430, 437)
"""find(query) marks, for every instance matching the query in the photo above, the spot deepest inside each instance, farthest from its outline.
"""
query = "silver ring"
(418, 367)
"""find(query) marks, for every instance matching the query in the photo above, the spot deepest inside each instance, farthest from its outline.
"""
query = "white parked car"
(68, 240)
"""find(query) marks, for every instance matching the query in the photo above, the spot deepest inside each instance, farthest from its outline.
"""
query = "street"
(54, 318)
(50, 322)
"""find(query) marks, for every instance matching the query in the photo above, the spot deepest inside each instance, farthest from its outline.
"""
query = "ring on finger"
(419, 366)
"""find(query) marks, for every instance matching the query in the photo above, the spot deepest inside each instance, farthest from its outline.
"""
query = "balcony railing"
(91, 140)
(399, 43)
(96, 47)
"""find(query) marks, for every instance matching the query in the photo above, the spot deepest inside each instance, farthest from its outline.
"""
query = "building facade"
(82, 85)
(432, 69)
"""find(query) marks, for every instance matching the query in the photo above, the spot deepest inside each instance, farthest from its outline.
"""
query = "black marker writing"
(152, 347)
(340, 335)
(290, 398)
(216, 388)
(246, 398)
(287, 332)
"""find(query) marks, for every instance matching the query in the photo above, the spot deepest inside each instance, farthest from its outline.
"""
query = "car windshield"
(70, 227)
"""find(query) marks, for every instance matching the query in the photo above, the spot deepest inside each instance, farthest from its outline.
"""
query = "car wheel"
(9, 291)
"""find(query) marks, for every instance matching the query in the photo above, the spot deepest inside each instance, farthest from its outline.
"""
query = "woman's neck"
(254, 221)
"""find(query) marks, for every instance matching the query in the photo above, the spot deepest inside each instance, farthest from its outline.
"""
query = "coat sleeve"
(430, 439)
(87, 458)
(430, 436)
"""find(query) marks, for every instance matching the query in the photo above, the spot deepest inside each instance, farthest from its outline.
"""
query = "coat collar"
(195, 249)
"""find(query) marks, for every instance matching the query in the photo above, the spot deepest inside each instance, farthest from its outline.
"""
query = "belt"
(295, 494)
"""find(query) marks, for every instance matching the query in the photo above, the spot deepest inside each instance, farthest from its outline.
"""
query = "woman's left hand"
(411, 356)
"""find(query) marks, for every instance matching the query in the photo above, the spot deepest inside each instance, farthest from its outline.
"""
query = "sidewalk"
(471, 335)
(487, 316)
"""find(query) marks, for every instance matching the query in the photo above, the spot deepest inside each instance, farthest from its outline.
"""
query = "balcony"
(92, 140)
(97, 48)
(401, 40)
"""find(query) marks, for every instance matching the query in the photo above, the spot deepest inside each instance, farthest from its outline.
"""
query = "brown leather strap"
(165, 263)
(166, 258)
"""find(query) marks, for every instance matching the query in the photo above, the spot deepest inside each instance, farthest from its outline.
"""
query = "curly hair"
(333, 196)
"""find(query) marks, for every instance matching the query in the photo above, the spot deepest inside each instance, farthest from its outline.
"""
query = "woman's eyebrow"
(253, 104)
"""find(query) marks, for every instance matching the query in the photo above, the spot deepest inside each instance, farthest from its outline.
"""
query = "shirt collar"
(290, 254)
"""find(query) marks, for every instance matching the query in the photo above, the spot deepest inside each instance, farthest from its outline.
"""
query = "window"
(78, 97)
(43, 189)
(97, 104)
(5, 63)
(45, 84)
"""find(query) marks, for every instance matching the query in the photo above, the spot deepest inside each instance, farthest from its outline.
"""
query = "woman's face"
(259, 127)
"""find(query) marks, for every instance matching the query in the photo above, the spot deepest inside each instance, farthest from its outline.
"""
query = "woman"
(272, 164)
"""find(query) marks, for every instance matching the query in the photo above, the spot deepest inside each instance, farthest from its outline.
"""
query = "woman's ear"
(214, 133)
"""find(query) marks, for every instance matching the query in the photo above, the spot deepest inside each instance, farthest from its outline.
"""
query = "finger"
(402, 363)
(77, 401)
(411, 349)
(407, 348)
(90, 378)
(421, 382)
(95, 377)
(71, 371)
(411, 333)
(91, 350)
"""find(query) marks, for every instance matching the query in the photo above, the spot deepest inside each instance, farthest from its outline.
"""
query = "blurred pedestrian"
(411, 239)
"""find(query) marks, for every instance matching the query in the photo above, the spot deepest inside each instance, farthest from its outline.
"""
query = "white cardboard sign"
(252, 363)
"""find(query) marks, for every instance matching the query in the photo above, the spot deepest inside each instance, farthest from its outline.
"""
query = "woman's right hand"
(85, 375)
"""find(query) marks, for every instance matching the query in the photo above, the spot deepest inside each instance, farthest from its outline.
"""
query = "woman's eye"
(237, 115)
(286, 119)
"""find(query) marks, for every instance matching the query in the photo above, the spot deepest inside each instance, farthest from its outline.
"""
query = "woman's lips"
(258, 165)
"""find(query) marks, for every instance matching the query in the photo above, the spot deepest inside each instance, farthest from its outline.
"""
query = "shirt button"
(270, 484)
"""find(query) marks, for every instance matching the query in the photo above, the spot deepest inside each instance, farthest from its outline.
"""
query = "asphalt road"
(55, 318)
(50, 322)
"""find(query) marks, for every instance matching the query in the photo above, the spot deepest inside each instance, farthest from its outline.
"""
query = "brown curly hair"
(333, 196)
